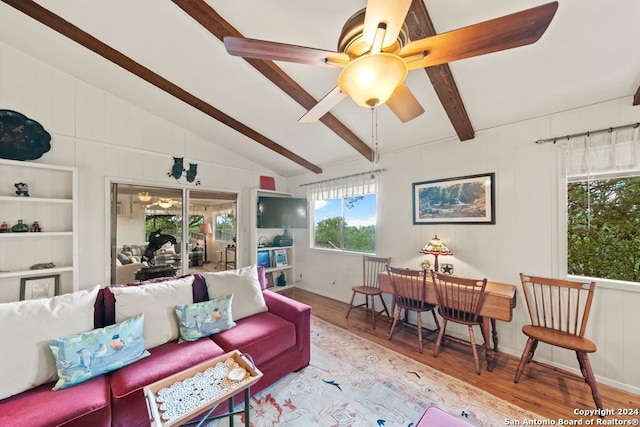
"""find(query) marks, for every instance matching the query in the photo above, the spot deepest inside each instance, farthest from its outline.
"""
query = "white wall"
(107, 138)
(528, 235)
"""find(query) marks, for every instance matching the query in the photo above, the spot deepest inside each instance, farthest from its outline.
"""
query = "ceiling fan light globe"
(372, 79)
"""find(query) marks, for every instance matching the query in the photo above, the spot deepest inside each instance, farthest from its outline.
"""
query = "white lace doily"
(187, 395)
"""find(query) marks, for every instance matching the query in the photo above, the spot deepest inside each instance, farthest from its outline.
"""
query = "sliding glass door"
(158, 231)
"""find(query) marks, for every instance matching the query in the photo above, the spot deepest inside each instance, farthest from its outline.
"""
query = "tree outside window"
(347, 223)
(603, 225)
(224, 228)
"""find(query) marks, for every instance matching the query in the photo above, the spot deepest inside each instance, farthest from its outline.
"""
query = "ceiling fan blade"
(518, 29)
(391, 13)
(329, 101)
(404, 104)
(274, 51)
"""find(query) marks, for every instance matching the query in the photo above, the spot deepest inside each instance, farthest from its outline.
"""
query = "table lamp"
(205, 229)
(435, 247)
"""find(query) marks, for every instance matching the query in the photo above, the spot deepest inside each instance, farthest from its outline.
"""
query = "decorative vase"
(20, 227)
(4, 228)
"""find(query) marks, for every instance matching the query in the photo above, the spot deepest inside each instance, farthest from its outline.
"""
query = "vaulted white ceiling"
(588, 54)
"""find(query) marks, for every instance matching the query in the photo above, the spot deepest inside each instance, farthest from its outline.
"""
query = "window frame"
(312, 231)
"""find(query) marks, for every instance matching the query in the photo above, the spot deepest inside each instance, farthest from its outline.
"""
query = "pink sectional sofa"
(278, 340)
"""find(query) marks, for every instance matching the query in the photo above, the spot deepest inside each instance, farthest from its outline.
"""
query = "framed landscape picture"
(461, 200)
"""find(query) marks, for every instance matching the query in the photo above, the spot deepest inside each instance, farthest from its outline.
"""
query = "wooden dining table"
(499, 302)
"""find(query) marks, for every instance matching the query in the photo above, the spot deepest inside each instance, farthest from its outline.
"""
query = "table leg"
(231, 411)
(486, 334)
(247, 422)
(494, 334)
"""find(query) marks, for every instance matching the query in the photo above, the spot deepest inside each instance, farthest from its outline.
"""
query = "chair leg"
(351, 303)
(439, 340)
(527, 355)
(476, 359)
(419, 322)
(587, 373)
(395, 322)
(373, 310)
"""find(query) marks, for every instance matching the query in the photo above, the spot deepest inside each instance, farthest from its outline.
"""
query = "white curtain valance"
(348, 186)
(603, 153)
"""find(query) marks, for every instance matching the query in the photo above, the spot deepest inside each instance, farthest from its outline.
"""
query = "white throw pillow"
(245, 287)
(27, 327)
(157, 301)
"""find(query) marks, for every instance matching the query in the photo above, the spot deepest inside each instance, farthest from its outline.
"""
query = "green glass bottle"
(20, 227)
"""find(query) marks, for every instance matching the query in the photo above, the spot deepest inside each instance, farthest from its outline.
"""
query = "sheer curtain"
(616, 151)
(352, 185)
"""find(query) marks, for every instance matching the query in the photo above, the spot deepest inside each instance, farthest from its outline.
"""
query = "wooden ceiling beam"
(206, 16)
(420, 26)
(56, 23)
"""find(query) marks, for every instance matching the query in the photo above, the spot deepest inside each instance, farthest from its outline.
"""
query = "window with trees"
(603, 204)
(603, 225)
(346, 223)
(224, 228)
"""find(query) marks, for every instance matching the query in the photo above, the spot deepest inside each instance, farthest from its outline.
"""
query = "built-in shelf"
(39, 272)
(52, 202)
(36, 235)
(34, 199)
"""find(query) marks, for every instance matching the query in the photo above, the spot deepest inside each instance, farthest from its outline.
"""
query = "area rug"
(354, 382)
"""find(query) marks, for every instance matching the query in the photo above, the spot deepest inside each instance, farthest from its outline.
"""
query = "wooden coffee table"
(212, 386)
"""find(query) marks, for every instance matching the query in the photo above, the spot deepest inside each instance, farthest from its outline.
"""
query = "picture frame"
(269, 280)
(39, 287)
(461, 200)
(281, 257)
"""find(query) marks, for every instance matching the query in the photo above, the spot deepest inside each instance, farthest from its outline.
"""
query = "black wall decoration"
(177, 170)
(22, 138)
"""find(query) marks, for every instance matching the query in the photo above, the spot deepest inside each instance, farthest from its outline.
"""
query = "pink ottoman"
(435, 417)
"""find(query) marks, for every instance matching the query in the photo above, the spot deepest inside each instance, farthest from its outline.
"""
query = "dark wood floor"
(546, 392)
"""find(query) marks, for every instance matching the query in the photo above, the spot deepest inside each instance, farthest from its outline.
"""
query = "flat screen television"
(282, 212)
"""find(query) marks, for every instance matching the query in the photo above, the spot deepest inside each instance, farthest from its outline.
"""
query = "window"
(344, 212)
(603, 206)
(224, 228)
(347, 223)
(603, 225)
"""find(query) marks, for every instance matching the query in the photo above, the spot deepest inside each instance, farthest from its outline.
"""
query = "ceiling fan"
(165, 203)
(376, 54)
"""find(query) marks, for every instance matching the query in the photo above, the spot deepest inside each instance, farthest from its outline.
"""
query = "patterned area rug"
(354, 382)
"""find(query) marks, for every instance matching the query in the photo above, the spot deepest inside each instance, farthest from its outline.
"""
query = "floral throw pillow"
(204, 318)
(83, 356)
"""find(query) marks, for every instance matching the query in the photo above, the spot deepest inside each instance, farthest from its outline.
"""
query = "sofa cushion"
(204, 318)
(245, 287)
(89, 403)
(157, 301)
(123, 258)
(29, 326)
(165, 360)
(81, 357)
(262, 336)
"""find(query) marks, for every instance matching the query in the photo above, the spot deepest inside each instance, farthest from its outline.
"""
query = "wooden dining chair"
(371, 267)
(459, 300)
(559, 310)
(409, 293)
